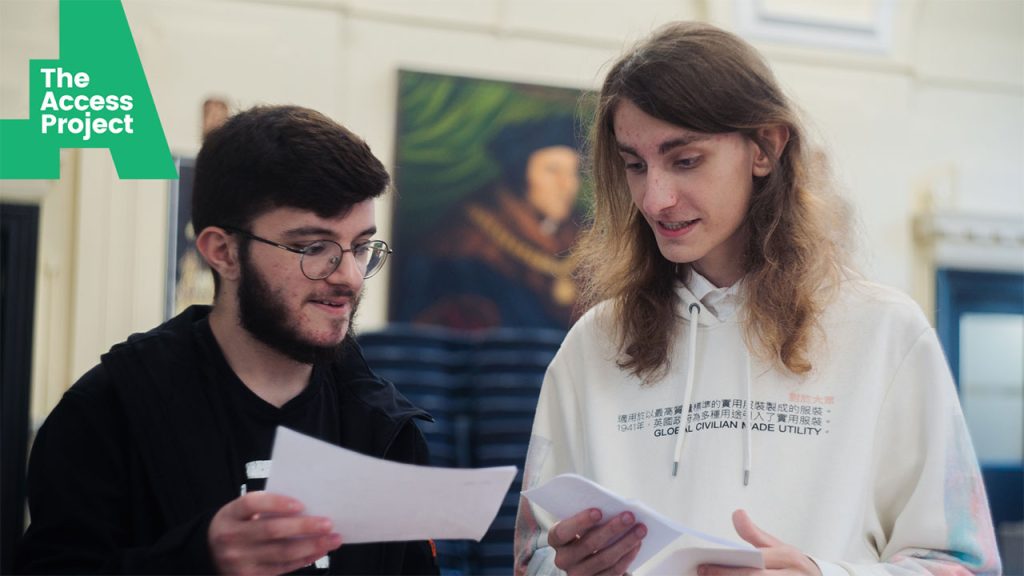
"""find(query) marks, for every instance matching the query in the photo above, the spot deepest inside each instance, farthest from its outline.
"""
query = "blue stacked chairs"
(481, 388)
(427, 365)
(507, 369)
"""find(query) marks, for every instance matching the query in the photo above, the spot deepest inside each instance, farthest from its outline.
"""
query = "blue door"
(980, 321)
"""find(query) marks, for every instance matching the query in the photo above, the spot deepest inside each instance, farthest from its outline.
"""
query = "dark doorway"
(19, 230)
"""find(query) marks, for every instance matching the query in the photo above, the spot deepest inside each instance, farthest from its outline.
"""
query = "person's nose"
(348, 273)
(660, 192)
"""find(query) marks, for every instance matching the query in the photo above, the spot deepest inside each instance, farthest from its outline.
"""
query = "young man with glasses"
(155, 460)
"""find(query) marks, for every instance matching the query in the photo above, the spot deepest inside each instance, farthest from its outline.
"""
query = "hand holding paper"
(568, 494)
(265, 533)
(373, 500)
(777, 554)
(588, 543)
(771, 553)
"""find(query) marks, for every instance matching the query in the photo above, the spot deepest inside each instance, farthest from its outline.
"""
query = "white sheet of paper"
(568, 494)
(374, 500)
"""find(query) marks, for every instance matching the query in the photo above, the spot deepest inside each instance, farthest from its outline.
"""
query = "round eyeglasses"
(321, 258)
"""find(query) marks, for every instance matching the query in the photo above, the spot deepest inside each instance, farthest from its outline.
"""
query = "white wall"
(935, 121)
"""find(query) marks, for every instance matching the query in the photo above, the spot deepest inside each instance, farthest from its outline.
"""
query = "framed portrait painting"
(489, 202)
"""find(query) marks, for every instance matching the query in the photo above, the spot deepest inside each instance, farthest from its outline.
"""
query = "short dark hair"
(270, 157)
(513, 145)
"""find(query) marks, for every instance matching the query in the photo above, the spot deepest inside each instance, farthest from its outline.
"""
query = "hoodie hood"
(704, 304)
(718, 305)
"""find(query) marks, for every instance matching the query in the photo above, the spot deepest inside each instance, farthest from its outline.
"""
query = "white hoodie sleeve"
(555, 436)
(931, 514)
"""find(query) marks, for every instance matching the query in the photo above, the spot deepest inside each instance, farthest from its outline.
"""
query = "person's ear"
(220, 250)
(775, 138)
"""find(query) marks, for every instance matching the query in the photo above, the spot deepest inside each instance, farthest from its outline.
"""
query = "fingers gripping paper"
(374, 500)
(569, 494)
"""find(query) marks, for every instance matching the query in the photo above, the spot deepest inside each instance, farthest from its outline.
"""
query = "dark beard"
(264, 316)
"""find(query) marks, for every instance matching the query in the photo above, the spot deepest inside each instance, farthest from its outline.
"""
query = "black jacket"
(130, 467)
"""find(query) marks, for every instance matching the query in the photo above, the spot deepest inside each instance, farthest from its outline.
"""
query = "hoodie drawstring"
(747, 444)
(692, 361)
(694, 309)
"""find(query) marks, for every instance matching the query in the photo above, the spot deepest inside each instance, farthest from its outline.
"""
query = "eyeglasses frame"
(302, 251)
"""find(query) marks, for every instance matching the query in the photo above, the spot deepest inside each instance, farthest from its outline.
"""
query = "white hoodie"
(865, 464)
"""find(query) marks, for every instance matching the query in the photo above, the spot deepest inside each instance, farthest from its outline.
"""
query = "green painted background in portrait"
(444, 126)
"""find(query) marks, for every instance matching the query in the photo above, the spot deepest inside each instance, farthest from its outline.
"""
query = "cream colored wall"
(938, 121)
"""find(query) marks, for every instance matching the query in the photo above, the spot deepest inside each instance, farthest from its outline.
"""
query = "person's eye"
(635, 167)
(315, 249)
(688, 162)
(362, 249)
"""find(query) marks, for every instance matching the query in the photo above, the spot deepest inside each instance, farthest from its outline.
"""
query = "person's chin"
(316, 350)
(675, 255)
(326, 325)
(329, 339)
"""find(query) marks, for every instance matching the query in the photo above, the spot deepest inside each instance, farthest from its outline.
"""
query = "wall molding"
(757, 19)
(972, 241)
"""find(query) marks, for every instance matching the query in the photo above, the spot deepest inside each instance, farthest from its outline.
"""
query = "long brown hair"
(707, 80)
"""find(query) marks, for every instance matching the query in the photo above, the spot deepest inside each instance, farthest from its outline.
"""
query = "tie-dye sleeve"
(930, 505)
(532, 554)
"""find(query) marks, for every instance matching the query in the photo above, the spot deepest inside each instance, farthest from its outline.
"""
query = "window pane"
(992, 384)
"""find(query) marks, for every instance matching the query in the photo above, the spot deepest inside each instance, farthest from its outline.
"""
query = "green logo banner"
(94, 96)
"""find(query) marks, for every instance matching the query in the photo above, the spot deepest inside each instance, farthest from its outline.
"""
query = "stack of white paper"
(568, 494)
